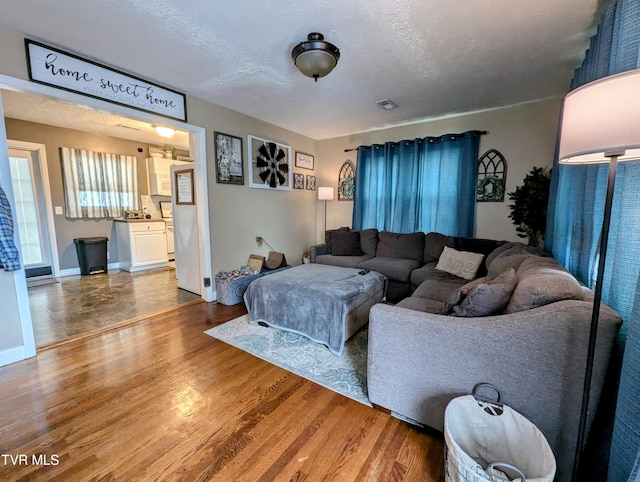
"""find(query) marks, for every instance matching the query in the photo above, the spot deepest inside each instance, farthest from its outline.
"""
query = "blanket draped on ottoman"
(325, 303)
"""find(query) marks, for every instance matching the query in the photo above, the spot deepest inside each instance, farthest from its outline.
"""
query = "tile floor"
(78, 304)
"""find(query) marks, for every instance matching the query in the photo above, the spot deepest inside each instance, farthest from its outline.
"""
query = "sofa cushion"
(460, 263)
(499, 250)
(434, 243)
(438, 290)
(396, 269)
(343, 261)
(542, 280)
(420, 304)
(512, 258)
(329, 234)
(345, 243)
(489, 297)
(429, 272)
(397, 245)
(369, 241)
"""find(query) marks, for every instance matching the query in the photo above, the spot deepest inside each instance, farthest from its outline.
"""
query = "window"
(98, 184)
(419, 185)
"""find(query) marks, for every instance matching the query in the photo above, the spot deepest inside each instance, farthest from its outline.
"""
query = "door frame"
(197, 147)
(40, 149)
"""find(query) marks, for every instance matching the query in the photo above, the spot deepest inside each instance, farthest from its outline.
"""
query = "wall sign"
(63, 70)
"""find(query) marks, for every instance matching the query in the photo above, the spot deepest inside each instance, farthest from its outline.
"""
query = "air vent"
(386, 104)
(128, 127)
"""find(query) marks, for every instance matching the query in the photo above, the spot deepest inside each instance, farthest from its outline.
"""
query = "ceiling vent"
(386, 104)
(128, 127)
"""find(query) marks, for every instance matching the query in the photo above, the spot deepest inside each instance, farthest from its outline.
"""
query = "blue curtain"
(420, 185)
(575, 220)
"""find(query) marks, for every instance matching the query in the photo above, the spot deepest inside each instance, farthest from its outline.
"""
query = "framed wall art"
(346, 181)
(311, 182)
(304, 161)
(184, 186)
(298, 180)
(269, 164)
(492, 176)
(229, 165)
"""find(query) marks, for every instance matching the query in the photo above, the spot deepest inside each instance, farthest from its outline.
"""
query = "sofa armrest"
(418, 362)
(317, 250)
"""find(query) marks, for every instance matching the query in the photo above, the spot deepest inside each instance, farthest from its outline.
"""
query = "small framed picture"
(229, 167)
(304, 161)
(184, 186)
(311, 183)
(298, 180)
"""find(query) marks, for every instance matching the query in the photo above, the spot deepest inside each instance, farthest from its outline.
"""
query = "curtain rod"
(434, 138)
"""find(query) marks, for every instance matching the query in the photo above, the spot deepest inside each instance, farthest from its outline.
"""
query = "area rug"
(346, 374)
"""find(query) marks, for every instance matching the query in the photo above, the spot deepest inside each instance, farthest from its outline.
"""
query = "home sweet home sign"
(50, 66)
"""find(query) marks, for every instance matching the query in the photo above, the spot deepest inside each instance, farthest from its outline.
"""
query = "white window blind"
(99, 184)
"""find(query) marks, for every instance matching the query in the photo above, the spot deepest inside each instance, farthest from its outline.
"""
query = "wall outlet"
(58, 210)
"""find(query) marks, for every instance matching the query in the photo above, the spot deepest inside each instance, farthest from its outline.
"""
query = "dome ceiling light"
(315, 58)
(164, 131)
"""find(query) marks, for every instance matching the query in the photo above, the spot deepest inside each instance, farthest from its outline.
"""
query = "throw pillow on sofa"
(328, 235)
(541, 281)
(460, 294)
(459, 263)
(345, 243)
(488, 298)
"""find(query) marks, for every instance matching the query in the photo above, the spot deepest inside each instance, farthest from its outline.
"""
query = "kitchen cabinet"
(142, 244)
(159, 172)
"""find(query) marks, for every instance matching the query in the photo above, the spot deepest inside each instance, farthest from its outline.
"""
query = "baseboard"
(76, 271)
(12, 355)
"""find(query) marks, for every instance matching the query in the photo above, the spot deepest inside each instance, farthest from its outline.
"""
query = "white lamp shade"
(325, 193)
(600, 118)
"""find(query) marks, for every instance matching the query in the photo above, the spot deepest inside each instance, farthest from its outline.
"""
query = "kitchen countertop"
(135, 220)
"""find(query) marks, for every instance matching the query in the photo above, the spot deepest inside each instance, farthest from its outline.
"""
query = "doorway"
(30, 182)
(197, 147)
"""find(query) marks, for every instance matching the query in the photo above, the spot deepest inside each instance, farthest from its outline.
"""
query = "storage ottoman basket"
(231, 285)
(486, 441)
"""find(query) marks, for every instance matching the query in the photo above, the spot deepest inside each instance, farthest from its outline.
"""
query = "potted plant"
(529, 208)
(168, 151)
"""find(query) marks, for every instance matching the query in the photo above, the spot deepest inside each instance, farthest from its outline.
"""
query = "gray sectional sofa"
(407, 260)
(532, 345)
(521, 323)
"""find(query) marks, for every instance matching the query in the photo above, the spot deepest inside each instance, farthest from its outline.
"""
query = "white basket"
(490, 442)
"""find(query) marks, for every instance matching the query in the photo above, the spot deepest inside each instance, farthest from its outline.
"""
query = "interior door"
(27, 182)
(186, 240)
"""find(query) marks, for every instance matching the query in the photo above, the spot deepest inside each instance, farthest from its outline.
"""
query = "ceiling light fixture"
(165, 131)
(386, 104)
(315, 58)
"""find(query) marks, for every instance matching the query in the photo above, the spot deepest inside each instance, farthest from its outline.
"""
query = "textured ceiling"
(432, 58)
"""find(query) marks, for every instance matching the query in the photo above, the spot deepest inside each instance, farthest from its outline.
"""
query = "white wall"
(524, 134)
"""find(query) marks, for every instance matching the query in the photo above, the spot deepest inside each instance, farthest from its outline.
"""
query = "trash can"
(92, 254)
(486, 441)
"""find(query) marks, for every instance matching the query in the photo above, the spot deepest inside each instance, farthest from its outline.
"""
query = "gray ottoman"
(327, 304)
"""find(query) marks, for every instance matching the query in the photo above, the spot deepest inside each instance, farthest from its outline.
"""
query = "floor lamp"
(600, 124)
(325, 194)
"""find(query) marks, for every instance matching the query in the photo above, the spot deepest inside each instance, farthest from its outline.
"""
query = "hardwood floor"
(160, 400)
(77, 305)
